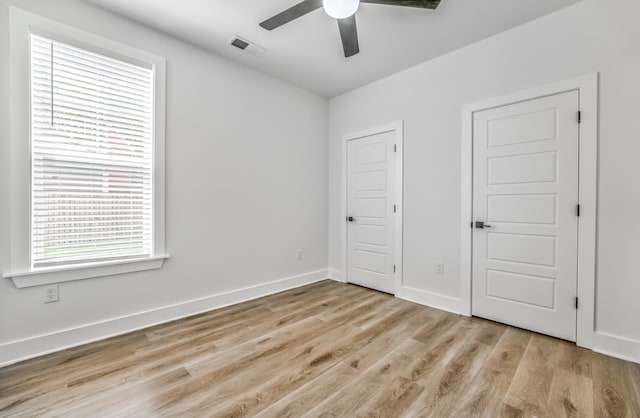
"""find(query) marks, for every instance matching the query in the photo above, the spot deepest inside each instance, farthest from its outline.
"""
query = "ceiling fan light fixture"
(340, 9)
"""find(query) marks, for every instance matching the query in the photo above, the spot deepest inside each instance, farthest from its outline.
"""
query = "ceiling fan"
(344, 12)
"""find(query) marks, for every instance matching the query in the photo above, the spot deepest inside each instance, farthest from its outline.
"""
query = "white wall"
(590, 36)
(246, 187)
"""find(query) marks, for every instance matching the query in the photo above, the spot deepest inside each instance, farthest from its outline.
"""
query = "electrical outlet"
(299, 254)
(439, 267)
(51, 293)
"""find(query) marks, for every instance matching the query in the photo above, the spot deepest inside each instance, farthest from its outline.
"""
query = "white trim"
(159, 156)
(466, 208)
(587, 86)
(433, 300)
(399, 189)
(114, 50)
(84, 271)
(615, 346)
(22, 24)
(587, 222)
(19, 350)
(398, 127)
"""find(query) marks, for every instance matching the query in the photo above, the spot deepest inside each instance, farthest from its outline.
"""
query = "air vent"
(247, 46)
(239, 43)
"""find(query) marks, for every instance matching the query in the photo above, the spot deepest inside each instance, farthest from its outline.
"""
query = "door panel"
(533, 290)
(532, 208)
(371, 207)
(373, 262)
(516, 129)
(370, 191)
(520, 248)
(526, 190)
(371, 234)
(519, 169)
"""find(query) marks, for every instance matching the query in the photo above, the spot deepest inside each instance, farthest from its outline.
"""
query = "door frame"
(587, 87)
(398, 128)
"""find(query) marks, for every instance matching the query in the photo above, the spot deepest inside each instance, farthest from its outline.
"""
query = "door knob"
(482, 225)
(351, 219)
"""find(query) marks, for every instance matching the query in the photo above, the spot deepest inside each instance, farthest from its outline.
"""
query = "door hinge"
(578, 210)
(394, 268)
(394, 208)
(579, 116)
(394, 148)
(576, 302)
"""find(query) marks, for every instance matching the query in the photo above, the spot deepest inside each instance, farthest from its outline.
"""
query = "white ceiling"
(308, 52)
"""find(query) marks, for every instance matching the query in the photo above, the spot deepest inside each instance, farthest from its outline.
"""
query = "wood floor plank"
(198, 388)
(530, 388)
(188, 328)
(345, 403)
(613, 395)
(392, 399)
(263, 376)
(447, 386)
(314, 392)
(633, 371)
(30, 391)
(429, 359)
(508, 411)
(327, 349)
(485, 393)
(405, 361)
(571, 395)
(397, 340)
(43, 370)
(264, 334)
(293, 379)
(576, 360)
(111, 376)
(105, 406)
(211, 373)
(489, 332)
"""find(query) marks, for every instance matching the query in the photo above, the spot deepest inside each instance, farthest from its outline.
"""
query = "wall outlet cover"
(51, 293)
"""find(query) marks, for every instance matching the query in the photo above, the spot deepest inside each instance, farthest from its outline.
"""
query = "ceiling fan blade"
(349, 36)
(423, 4)
(291, 13)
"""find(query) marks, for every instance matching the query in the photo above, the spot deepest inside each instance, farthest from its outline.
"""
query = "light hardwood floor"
(327, 349)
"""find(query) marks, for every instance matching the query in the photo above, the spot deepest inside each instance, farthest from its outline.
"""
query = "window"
(95, 155)
(91, 159)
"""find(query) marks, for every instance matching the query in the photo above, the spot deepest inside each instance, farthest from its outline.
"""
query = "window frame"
(22, 25)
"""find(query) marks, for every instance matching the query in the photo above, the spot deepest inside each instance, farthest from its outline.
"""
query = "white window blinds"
(91, 138)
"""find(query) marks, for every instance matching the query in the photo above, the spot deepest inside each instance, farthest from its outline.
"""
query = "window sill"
(85, 271)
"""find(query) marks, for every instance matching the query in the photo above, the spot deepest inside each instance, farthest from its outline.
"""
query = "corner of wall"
(337, 275)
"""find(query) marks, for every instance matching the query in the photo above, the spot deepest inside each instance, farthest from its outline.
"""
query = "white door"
(370, 211)
(525, 190)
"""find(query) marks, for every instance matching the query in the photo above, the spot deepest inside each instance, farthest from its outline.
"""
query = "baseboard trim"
(616, 346)
(337, 275)
(433, 300)
(20, 350)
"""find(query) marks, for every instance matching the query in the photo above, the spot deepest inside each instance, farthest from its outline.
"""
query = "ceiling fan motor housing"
(340, 9)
